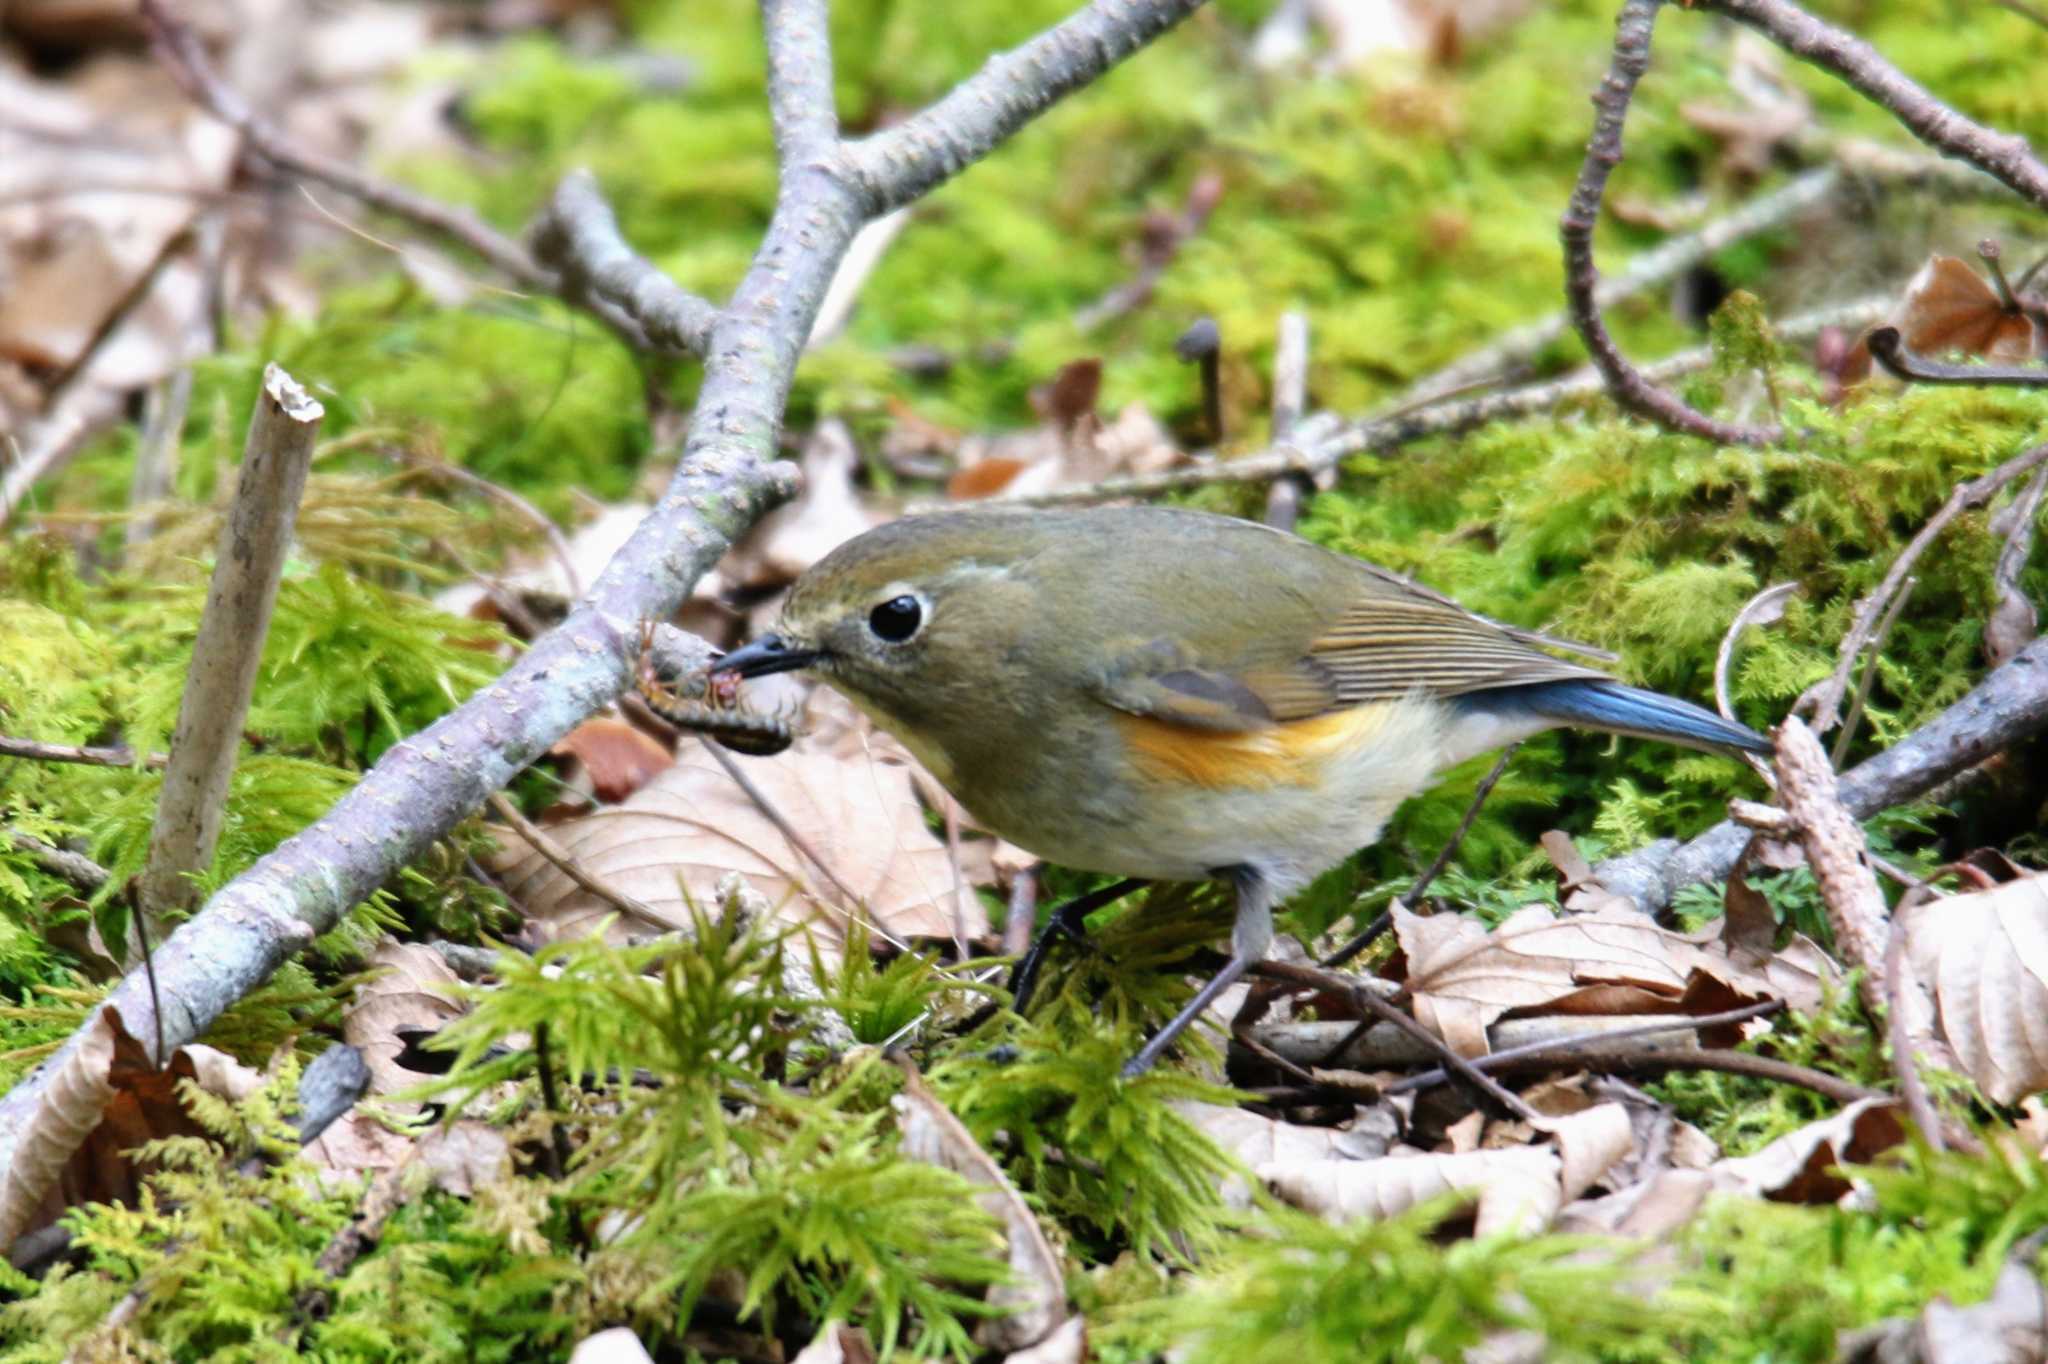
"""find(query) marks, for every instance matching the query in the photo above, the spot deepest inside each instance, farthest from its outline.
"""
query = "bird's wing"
(1390, 642)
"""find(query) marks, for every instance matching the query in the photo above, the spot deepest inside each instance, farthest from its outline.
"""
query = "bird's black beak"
(768, 654)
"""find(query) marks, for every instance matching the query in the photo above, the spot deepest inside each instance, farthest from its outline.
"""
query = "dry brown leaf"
(1073, 448)
(107, 1100)
(692, 825)
(1612, 960)
(1464, 1135)
(1034, 1299)
(464, 1155)
(1948, 306)
(220, 1074)
(1796, 1167)
(1260, 1142)
(356, 1143)
(73, 1100)
(618, 758)
(1985, 955)
(2013, 623)
(1519, 1189)
(415, 990)
(1650, 1209)
(68, 259)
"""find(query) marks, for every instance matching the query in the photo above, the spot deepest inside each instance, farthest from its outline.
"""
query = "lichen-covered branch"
(1010, 90)
(727, 478)
(800, 79)
(578, 236)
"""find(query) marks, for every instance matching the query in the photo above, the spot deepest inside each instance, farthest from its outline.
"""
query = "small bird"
(1174, 695)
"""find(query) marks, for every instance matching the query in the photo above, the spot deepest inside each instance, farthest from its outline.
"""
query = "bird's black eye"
(896, 619)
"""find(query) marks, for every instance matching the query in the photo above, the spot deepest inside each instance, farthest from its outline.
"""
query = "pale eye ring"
(897, 619)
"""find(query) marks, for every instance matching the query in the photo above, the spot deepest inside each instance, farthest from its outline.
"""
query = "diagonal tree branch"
(182, 56)
(1009, 91)
(2004, 156)
(727, 478)
(578, 235)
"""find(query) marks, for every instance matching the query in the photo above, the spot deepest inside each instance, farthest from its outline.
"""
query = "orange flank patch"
(1290, 754)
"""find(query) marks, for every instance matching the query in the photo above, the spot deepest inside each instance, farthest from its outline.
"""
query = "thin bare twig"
(1160, 242)
(1732, 1063)
(1763, 608)
(1898, 1032)
(1822, 700)
(1316, 978)
(1322, 440)
(1552, 1048)
(1631, 389)
(1413, 895)
(1290, 401)
(114, 755)
(1863, 683)
(2007, 706)
(578, 235)
(1020, 920)
(565, 862)
(1889, 349)
(81, 871)
(1652, 268)
(2004, 156)
(179, 49)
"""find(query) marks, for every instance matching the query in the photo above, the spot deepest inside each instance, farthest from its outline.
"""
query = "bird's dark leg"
(1248, 943)
(1068, 921)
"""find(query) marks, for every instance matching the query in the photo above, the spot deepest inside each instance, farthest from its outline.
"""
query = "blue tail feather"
(1622, 709)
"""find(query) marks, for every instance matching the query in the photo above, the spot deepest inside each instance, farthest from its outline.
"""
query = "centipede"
(721, 717)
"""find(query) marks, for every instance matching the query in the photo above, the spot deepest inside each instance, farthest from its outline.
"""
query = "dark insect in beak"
(768, 654)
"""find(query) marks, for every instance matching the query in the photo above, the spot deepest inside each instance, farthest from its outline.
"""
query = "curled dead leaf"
(1799, 1166)
(414, 991)
(1614, 959)
(1519, 1189)
(1985, 956)
(672, 841)
(1035, 1297)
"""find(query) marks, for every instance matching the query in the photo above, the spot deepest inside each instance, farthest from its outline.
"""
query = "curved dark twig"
(1889, 349)
(1628, 385)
